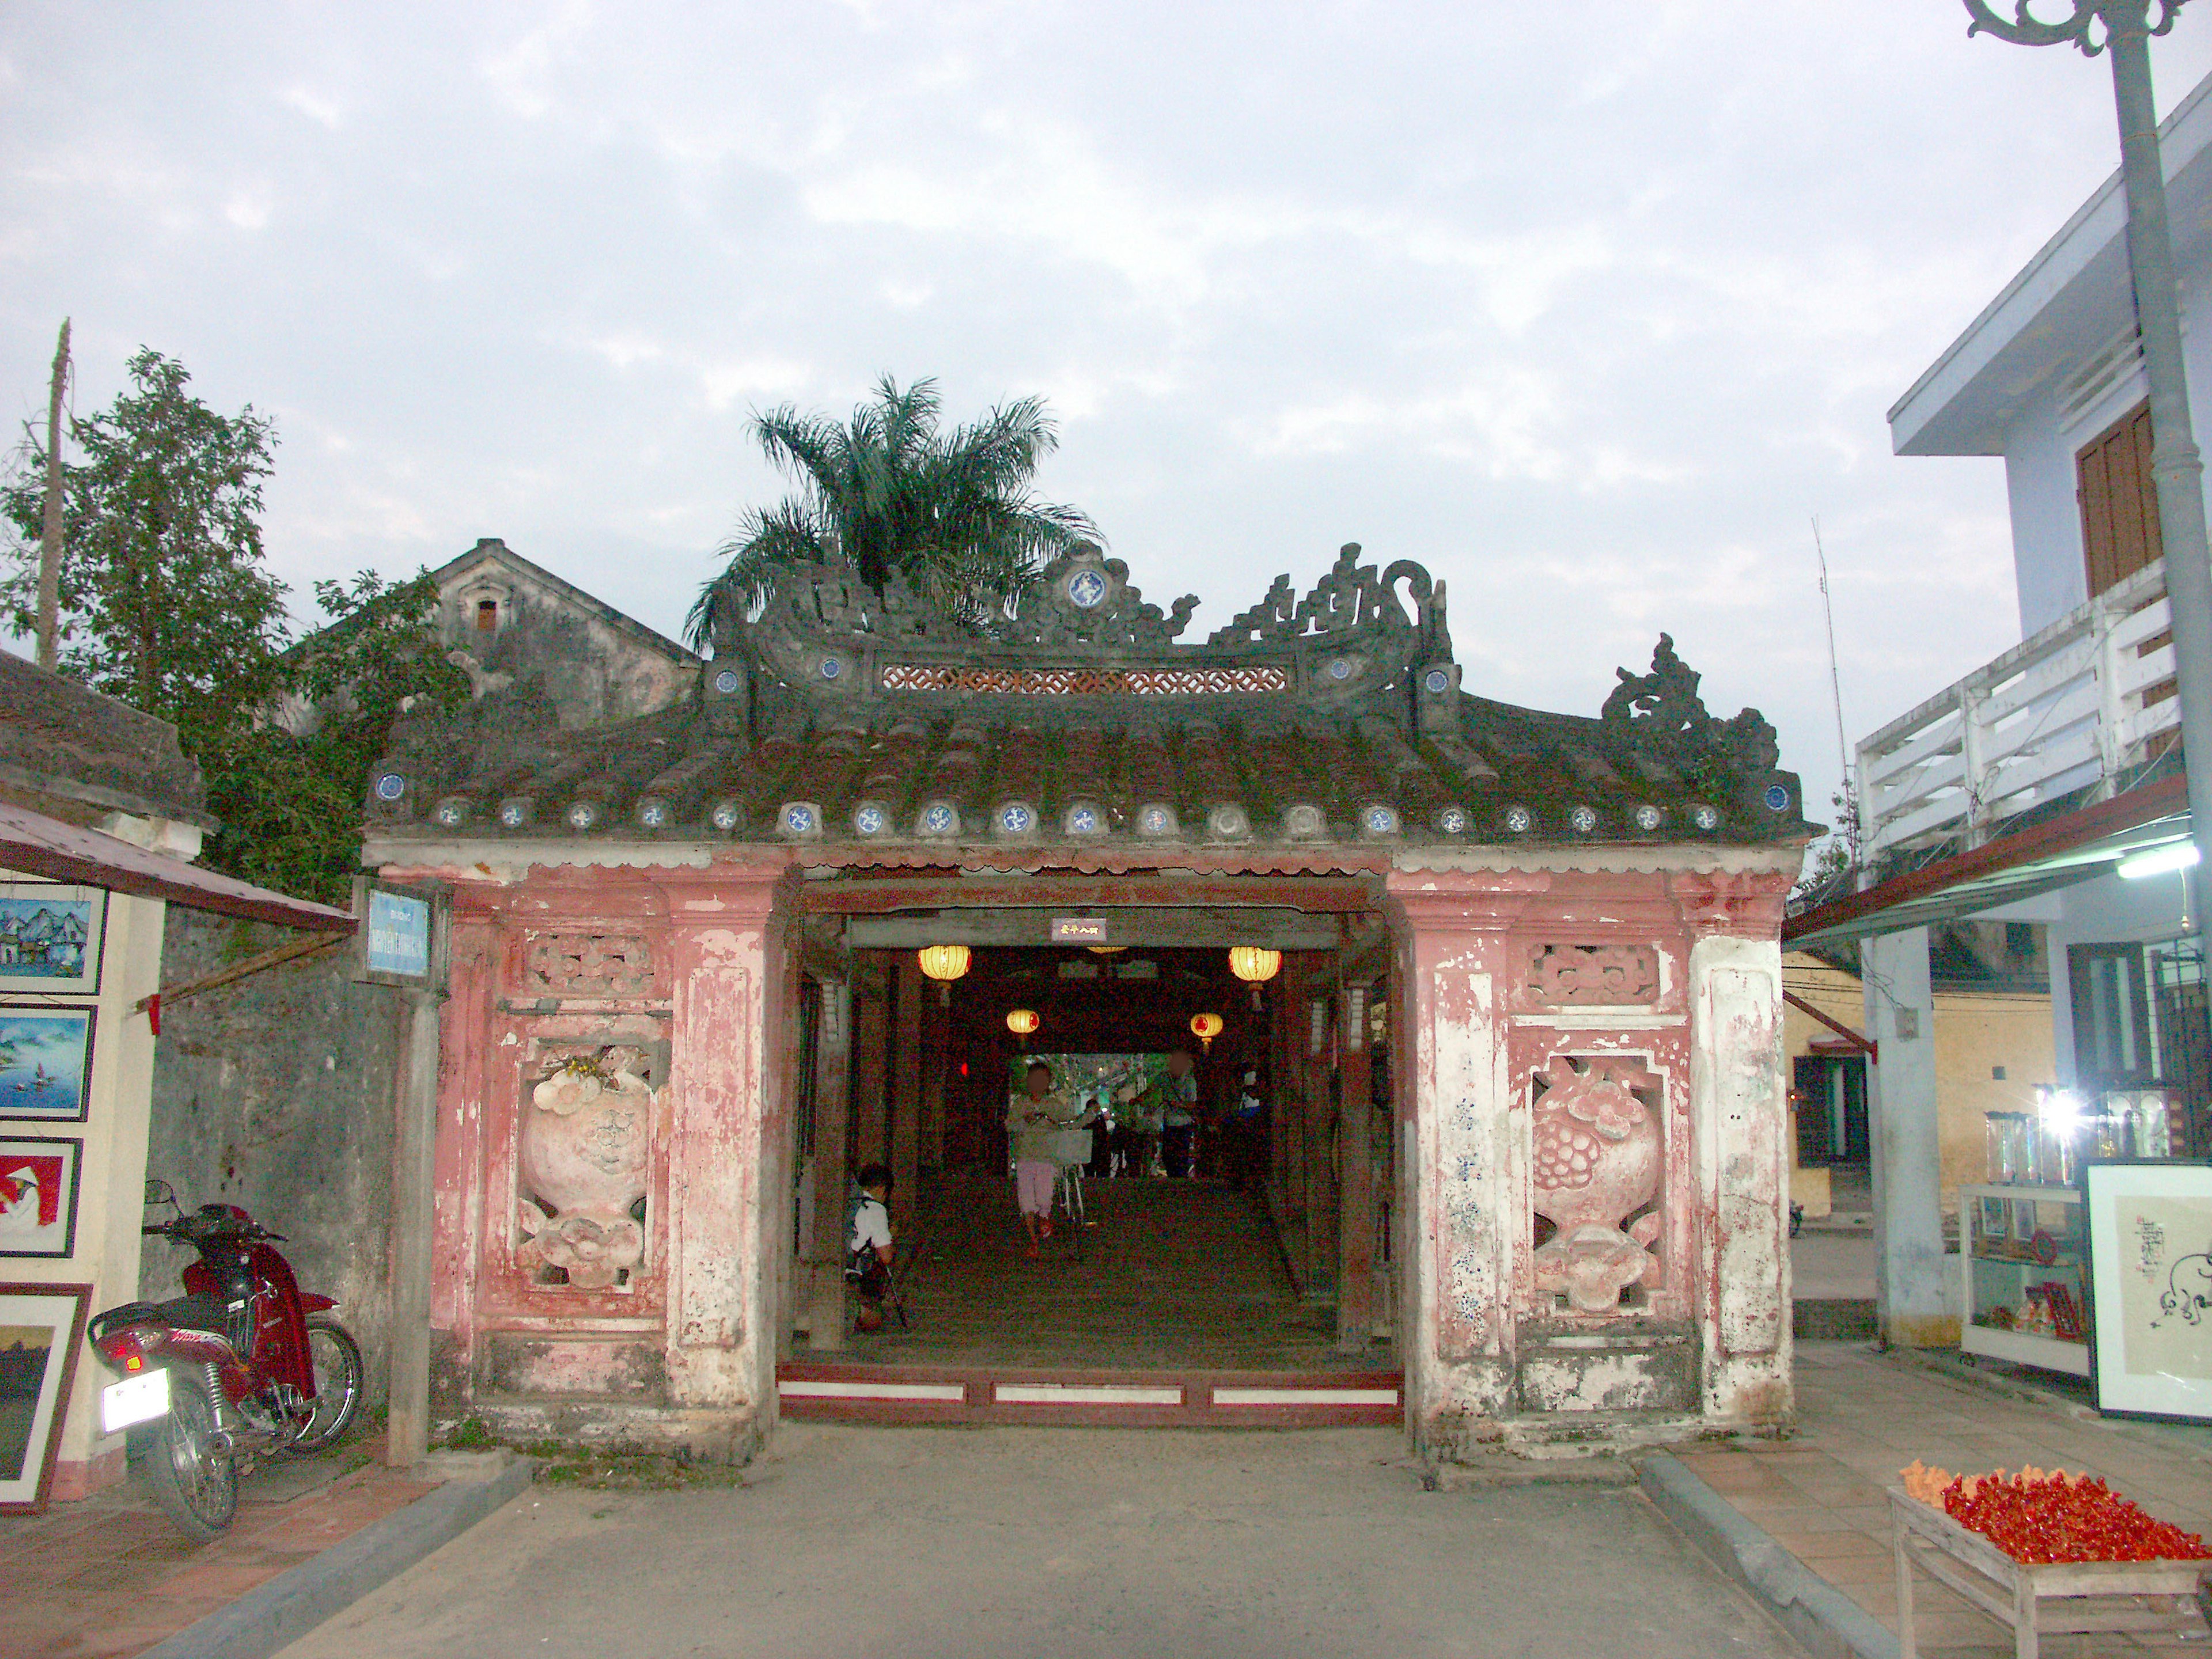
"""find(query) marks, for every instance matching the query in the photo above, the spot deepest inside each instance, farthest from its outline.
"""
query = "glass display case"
(2022, 1255)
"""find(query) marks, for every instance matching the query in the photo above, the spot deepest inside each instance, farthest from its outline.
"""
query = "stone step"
(1087, 1397)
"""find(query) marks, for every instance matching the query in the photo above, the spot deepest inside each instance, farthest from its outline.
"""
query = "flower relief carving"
(589, 964)
(1564, 975)
(1598, 1164)
(581, 1165)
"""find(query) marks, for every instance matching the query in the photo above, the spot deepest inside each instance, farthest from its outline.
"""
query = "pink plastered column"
(1740, 1118)
(727, 1179)
(1457, 1231)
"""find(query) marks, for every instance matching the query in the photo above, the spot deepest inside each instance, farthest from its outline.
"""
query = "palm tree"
(951, 514)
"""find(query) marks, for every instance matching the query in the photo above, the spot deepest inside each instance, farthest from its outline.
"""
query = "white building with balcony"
(2041, 786)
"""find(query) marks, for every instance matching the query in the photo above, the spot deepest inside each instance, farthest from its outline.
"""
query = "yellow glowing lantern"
(1205, 1028)
(1105, 949)
(1023, 1021)
(1252, 964)
(944, 962)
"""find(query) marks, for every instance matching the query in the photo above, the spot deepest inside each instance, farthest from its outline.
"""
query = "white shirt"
(872, 1227)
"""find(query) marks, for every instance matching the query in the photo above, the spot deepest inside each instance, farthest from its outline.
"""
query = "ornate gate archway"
(1575, 919)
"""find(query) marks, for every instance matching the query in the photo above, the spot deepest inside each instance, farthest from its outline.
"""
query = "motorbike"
(244, 1365)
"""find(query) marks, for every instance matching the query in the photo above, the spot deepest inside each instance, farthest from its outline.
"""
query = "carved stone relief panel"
(588, 965)
(1563, 975)
(1596, 1169)
(582, 1163)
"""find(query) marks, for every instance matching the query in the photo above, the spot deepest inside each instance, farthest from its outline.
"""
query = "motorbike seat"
(196, 1313)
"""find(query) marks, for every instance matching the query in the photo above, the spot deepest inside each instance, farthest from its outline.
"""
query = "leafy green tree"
(288, 791)
(164, 601)
(166, 606)
(951, 514)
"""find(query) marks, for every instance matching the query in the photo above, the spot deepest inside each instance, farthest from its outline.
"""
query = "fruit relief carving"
(1597, 1165)
(1562, 975)
(585, 1136)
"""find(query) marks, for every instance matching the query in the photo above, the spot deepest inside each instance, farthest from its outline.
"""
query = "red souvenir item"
(2037, 1517)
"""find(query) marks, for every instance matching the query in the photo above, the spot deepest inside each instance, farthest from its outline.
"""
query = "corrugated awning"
(41, 846)
(2077, 847)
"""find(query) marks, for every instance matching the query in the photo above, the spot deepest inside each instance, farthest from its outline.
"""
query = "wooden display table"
(2065, 1598)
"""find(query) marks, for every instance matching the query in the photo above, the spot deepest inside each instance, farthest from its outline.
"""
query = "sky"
(1593, 310)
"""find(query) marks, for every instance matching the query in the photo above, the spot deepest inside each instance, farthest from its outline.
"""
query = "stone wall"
(275, 1093)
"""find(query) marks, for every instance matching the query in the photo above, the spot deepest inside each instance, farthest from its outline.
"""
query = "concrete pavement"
(1064, 1544)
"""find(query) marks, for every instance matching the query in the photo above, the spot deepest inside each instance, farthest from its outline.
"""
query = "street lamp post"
(2123, 28)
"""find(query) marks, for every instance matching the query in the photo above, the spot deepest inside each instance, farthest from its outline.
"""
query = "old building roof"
(843, 714)
(71, 753)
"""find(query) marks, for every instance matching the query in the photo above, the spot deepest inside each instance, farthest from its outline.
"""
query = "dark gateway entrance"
(1231, 1281)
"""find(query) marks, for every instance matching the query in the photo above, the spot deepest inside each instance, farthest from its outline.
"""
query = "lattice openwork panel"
(589, 965)
(1564, 975)
(1085, 682)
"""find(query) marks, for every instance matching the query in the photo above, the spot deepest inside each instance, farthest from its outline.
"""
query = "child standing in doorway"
(1034, 1118)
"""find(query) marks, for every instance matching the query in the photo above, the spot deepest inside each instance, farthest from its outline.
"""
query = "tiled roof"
(841, 715)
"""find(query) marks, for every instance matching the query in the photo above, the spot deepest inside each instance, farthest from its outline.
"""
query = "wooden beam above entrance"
(1075, 895)
(1154, 929)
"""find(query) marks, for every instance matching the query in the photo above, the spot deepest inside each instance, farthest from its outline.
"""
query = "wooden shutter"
(2119, 501)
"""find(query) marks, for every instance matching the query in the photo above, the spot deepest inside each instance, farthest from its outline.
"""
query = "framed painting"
(37, 1197)
(46, 1062)
(42, 1328)
(2150, 1287)
(51, 937)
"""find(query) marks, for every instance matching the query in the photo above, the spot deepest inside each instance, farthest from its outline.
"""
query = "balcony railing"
(2078, 705)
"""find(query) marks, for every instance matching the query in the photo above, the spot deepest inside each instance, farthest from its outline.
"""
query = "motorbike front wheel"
(338, 1385)
(175, 1459)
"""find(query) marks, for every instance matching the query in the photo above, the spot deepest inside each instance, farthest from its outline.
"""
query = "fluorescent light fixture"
(2061, 1109)
(2161, 860)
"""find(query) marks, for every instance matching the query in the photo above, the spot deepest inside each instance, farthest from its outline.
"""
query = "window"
(2118, 500)
(486, 615)
(2113, 1044)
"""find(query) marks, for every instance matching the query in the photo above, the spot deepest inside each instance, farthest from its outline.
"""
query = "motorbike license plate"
(139, 1398)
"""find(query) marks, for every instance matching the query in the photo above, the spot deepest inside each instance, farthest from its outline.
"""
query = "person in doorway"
(868, 1251)
(1178, 1092)
(1245, 1131)
(1036, 1119)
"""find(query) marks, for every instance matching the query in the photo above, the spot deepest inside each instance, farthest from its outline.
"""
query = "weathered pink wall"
(692, 965)
(1490, 1357)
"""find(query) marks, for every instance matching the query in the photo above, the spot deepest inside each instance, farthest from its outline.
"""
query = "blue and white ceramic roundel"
(653, 814)
(938, 820)
(1155, 822)
(1777, 798)
(1438, 681)
(1453, 820)
(726, 815)
(832, 666)
(1583, 819)
(1014, 820)
(1082, 821)
(391, 787)
(1085, 588)
(1380, 821)
(799, 820)
(870, 820)
(1706, 818)
(727, 681)
(1340, 669)
(1518, 820)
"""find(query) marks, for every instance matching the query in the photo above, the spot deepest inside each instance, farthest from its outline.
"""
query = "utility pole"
(2126, 28)
(50, 532)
